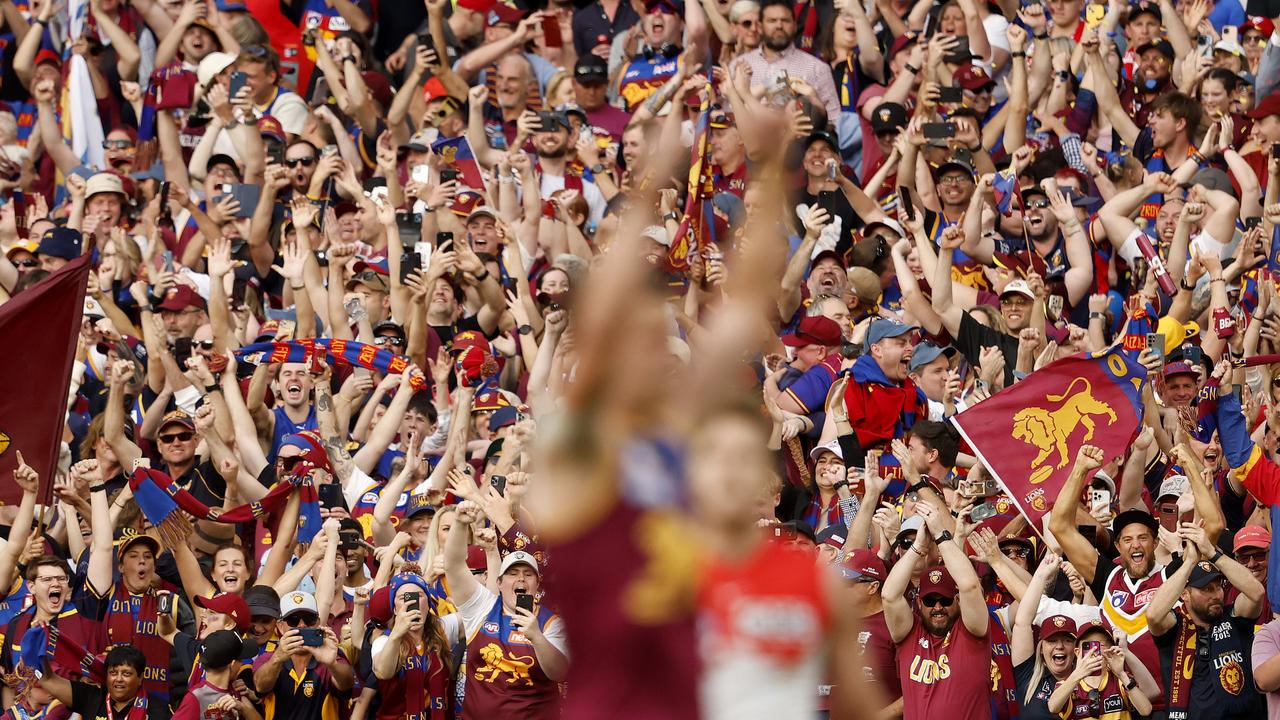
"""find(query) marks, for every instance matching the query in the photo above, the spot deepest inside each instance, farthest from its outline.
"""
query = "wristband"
(1097, 316)
(1045, 36)
(1018, 54)
(100, 487)
(919, 486)
(208, 389)
(670, 217)
(297, 287)
(913, 70)
(1131, 684)
(842, 483)
(1183, 284)
(485, 276)
(525, 329)
(146, 308)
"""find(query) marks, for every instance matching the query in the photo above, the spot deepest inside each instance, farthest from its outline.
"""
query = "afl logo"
(491, 628)
(1119, 597)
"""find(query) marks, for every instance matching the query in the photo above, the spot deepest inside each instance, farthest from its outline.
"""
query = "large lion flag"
(1028, 434)
(39, 326)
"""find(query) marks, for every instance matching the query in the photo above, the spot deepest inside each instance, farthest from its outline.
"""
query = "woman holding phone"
(1100, 685)
(1039, 667)
(413, 661)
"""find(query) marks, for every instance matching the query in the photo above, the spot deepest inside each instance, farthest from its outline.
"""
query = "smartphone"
(1168, 516)
(165, 215)
(1275, 150)
(424, 253)
(939, 130)
(164, 603)
(421, 174)
(524, 601)
(982, 512)
(960, 54)
(449, 175)
(425, 40)
(409, 264)
(1055, 306)
(547, 121)
(168, 261)
(551, 36)
(182, 351)
(442, 239)
(244, 193)
(1252, 222)
(904, 197)
(827, 201)
(330, 496)
(413, 600)
(311, 637)
(238, 80)
(951, 94)
(1155, 343)
(1090, 646)
(499, 483)
(20, 213)
(1193, 355)
(1099, 499)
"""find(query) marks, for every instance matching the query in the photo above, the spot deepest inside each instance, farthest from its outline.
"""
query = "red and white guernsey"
(1124, 605)
(762, 629)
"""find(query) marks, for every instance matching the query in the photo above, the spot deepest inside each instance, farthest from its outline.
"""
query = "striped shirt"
(797, 64)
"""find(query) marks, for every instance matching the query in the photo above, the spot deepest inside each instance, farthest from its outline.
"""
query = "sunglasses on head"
(183, 436)
(307, 161)
(306, 619)
(936, 600)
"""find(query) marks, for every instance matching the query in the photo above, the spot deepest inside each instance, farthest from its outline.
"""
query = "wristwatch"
(1215, 557)
(919, 486)
(943, 536)
(597, 168)
(525, 329)
(670, 217)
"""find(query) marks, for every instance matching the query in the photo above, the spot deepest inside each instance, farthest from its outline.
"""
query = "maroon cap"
(229, 604)
(379, 87)
(937, 581)
(176, 417)
(1178, 368)
(817, 330)
(1056, 625)
(1254, 536)
(503, 14)
(861, 563)
(1097, 623)
(904, 41)
(181, 297)
(269, 127)
(1266, 107)
(973, 78)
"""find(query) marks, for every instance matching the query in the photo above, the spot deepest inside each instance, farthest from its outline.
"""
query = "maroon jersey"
(625, 589)
(421, 689)
(878, 663)
(947, 677)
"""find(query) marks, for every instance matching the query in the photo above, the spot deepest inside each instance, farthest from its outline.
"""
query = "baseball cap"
(937, 581)
(222, 647)
(421, 141)
(882, 328)
(1175, 333)
(1160, 44)
(902, 42)
(832, 447)
(1178, 368)
(1057, 625)
(590, 69)
(103, 182)
(861, 563)
(503, 417)
(1229, 46)
(1203, 574)
(93, 308)
(180, 298)
(822, 136)
(296, 602)
(176, 417)
(1266, 107)
(816, 330)
(229, 604)
(954, 165)
(833, 535)
(31, 246)
(1095, 624)
(482, 210)
(128, 537)
(1212, 179)
(915, 523)
(212, 64)
(1145, 6)
(1261, 24)
(973, 78)
(1134, 516)
(1174, 486)
(888, 117)
(263, 601)
(517, 557)
(222, 159)
(865, 286)
(927, 352)
(418, 504)
(1018, 287)
(61, 242)
(1254, 536)
(503, 14)
(48, 56)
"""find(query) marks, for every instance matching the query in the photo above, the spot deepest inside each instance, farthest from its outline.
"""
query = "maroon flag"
(38, 331)
(1028, 434)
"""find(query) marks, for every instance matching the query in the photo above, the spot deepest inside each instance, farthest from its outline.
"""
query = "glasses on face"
(1038, 203)
(748, 24)
(1016, 552)
(117, 144)
(366, 275)
(307, 161)
(388, 340)
(1014, 302)
(303, 619)
(28, 263)
(936, 601)
(53, 579)
(202, 344)
(184, 436)
(954, 179)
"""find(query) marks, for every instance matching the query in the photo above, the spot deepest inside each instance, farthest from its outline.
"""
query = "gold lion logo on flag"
(1049, 430)
(935, 577)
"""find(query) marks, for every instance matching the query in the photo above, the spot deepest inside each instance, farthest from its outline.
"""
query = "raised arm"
(1023, 641)
(462, 584)
(1062, 519)
(898, 615)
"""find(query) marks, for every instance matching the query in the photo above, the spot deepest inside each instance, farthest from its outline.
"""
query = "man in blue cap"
(58, 246)
(881, 399)
(928, 368)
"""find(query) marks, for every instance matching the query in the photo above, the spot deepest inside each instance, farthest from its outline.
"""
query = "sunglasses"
(184, 436)
(306, 619)
(936, 601)
(388, 340)
(28, 263)
(202, 344)
(954, 180)
(1039, 203)
(303, 161)
(1274, 383)
(1018, 552)
(117, 144)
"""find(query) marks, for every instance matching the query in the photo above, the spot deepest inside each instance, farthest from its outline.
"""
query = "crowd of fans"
(682, 296)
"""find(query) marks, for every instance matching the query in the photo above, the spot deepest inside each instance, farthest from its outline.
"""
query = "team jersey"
(131, 619)
(504, 678)
(421, 688)
(1124, 605)
(945, 677)
(762, 628)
